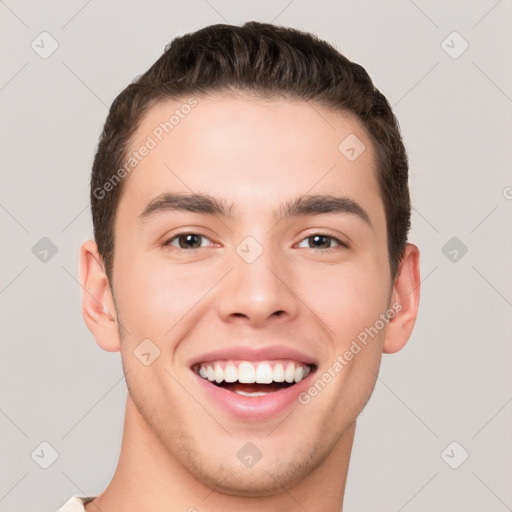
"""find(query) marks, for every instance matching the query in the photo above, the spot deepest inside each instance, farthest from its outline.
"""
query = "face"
(249, 282)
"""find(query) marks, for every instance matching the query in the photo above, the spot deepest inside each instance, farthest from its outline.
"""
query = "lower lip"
(254, 408)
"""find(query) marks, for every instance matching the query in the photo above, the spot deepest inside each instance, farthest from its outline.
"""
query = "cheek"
(347, 298)
(152, 295)
(142, 296)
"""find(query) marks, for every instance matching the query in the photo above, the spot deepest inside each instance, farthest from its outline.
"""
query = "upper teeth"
(247, 372)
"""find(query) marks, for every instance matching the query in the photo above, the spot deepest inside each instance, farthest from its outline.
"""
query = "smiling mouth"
(250, 378)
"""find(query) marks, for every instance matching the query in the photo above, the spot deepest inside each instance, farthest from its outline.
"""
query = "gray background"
(452, 382)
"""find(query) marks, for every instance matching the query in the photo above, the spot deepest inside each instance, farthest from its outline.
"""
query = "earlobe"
(405, 299)
(98, 308)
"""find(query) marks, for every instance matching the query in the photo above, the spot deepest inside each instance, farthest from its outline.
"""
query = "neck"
(148, 478)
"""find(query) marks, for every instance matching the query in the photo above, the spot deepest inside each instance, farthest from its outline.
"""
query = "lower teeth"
(256, 393)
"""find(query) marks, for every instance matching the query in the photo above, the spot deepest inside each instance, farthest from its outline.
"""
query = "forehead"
(251, 152)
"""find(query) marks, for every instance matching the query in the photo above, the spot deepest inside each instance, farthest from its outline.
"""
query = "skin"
(178, 449)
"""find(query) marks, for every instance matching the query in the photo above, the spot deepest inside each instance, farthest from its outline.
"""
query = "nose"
(258, 292)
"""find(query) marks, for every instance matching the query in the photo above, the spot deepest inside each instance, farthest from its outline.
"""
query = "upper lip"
(251, 353)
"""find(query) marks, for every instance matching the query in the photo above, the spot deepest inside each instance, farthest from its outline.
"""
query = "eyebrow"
(301, 206)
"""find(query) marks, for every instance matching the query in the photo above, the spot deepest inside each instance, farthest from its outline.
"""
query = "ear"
(98, 308)
(405, 299)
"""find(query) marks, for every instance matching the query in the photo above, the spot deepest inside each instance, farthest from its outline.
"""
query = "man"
(251, 208)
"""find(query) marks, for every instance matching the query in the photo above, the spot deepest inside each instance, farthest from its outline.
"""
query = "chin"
(267, 477)
(249, 482)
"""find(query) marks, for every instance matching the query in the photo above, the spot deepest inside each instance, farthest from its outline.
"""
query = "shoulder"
(76, 504)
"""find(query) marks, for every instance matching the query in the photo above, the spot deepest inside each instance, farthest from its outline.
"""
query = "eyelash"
(330, 249)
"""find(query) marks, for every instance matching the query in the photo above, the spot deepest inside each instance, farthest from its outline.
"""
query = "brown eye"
(323, 242)
(186, 241)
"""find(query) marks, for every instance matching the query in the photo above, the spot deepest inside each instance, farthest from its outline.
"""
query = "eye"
(188, 241)
(324, 242)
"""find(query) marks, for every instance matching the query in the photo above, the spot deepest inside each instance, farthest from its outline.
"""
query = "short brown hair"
(270, 61)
